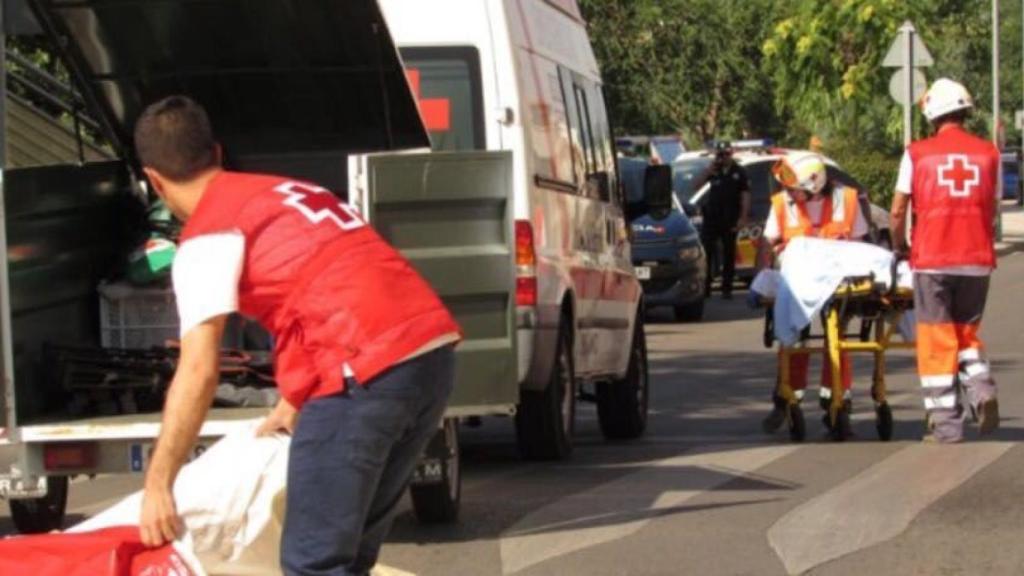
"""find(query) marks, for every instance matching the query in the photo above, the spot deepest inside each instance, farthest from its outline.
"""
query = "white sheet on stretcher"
(812, 270)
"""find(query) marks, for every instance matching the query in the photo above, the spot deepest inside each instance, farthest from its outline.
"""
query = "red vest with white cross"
(329, 289)
(954, 196)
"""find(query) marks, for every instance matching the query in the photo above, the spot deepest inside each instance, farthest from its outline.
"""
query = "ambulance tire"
(622, 403)
(439, 502)
(693, 312)
(545, 419)
(797, 424)
(42, 515)
(884, 422)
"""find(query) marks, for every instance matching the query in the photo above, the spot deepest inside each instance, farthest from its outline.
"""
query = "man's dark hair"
(960, 117)
(173, 136)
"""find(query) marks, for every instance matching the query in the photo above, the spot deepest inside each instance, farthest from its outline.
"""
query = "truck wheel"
(693, 312)
(41, 515)
(622, 404)
(436, 497)
(546, 418)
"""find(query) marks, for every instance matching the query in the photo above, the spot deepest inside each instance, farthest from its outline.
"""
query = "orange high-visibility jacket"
(838, 215)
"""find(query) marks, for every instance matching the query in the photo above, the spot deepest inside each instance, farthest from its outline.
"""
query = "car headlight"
(690, 253)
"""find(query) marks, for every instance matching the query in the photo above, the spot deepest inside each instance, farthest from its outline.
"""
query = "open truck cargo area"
(292, 88)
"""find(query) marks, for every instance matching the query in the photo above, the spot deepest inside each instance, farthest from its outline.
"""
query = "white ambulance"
(520, 76)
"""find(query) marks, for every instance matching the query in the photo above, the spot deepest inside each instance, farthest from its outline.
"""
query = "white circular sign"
(898, 85)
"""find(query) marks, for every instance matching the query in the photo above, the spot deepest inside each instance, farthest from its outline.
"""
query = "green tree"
(687, 66)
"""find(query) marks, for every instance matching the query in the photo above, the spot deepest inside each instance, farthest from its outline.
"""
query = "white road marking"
(878, 504)
(562, 527)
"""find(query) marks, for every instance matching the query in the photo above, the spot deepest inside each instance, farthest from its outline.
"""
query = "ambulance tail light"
(69, 456)
(526, 265)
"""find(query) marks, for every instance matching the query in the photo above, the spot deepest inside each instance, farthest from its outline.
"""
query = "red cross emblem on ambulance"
(959, 175)
(318, 204)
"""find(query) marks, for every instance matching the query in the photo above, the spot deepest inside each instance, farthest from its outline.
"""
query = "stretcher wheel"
(797, 425)
(884, 422)
(842, 430)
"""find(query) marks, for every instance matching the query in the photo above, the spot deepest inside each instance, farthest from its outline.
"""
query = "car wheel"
(693, 312)
(545, 420)
(622, 404)
(884, 239)
(436, 500)
(41, 515)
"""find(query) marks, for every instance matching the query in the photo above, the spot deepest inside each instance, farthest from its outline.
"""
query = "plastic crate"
(141, 318)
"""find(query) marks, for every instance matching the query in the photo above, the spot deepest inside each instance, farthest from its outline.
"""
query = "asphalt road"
(706, 492)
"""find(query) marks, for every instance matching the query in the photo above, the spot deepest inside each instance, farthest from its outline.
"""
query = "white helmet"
(802, 171)
(945, 97)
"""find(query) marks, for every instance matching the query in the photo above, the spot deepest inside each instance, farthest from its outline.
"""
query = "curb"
(1007, 247)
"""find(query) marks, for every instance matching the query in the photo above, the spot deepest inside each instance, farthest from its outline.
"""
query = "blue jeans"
(352, 455)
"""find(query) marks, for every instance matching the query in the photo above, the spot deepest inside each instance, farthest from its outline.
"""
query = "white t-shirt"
(904, 185)
(206, 273)
(815, 207)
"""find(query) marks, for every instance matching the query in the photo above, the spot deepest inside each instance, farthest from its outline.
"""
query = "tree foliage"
(683, 66)
(790, 68)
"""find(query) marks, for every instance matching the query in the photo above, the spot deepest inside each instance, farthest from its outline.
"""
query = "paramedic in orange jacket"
(811, 205)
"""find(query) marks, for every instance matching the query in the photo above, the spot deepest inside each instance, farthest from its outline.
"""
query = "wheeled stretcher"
(881, 308)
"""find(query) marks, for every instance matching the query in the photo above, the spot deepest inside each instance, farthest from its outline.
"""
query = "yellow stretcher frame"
(881, 309)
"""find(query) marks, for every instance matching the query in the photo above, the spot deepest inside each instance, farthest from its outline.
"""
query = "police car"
(757, 158)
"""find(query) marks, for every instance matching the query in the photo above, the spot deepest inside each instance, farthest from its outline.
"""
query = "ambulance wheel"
(622, 404)
(41, 515)
(436, 490)
(797, 424)
(546, 418)
(884, 422)
(843, 430)
(692, 312)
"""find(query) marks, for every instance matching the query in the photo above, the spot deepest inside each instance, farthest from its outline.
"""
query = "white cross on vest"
(959, 175)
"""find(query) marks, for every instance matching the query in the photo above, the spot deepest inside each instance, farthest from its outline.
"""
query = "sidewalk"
(1013, 229)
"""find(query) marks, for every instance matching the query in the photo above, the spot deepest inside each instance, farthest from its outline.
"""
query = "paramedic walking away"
(725, 211)
(363, 347)
(952, 180)
(811, 205)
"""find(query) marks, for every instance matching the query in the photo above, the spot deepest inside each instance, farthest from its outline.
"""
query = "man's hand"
(281, 419)
(160, 523)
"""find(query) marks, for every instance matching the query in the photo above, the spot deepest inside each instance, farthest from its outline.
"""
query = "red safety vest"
(794, 220)
(954, 196)
(329, 289)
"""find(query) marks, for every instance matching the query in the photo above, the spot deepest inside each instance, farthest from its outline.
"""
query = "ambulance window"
(583, 113)
(603, 146)
(447, 85)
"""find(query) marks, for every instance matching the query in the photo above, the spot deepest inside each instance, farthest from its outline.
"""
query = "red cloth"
(330, 290)
(954, 196)
(109, 552)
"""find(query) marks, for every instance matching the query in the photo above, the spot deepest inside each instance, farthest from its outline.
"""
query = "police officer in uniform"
(363, 346)
(725, 210)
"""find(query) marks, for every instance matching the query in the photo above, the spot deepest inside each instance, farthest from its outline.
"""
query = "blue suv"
(667, 254)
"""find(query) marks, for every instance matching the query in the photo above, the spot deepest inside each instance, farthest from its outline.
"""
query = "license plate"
(643, 272)
(428, 471)
(140, 454)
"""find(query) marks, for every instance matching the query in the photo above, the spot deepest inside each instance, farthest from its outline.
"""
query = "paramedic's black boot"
(776, 418)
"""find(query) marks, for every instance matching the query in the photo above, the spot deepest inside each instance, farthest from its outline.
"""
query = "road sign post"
(908, 52)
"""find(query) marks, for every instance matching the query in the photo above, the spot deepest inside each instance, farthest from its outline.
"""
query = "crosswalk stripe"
(609, 512)
(878, 504)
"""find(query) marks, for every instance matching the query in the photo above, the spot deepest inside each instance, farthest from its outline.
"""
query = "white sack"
(232, 502)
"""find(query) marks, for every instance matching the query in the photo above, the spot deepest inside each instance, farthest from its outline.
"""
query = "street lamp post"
(995, 106)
